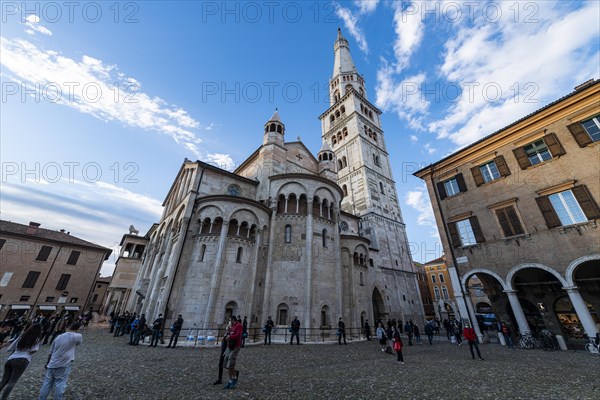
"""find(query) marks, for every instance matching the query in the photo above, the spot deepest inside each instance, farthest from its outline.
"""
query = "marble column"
(518, 312)
(309, 264)
(582, 311)
(216, 276)
(254, 266)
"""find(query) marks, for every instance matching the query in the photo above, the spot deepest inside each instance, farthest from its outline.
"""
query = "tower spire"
(343, 61)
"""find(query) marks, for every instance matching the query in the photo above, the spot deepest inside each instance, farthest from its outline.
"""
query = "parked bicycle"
(527, 342)
(593, 347)
(547, 340)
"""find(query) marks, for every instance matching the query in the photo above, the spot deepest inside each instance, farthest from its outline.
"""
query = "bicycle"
(547, 341)
(527, 342)
(593, 347)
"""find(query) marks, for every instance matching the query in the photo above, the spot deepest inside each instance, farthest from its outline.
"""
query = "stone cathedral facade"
(287, 233)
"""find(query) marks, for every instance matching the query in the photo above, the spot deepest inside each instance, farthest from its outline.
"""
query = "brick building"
(46, 271)
(518, 209)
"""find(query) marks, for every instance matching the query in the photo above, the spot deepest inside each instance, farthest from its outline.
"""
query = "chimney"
(585, 84)
(33, 228)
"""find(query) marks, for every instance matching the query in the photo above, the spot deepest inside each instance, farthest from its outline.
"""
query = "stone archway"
(379, 311)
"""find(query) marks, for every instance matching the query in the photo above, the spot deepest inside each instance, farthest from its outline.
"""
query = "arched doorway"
(379, 312)
(587, 279)
(489, 300)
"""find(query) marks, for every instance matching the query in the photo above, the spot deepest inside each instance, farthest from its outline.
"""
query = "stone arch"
(476, 271)
(211, 211)
(292, 187)
(244, 214)
(282, 316)
(511, 274)
(379, 311)
(570, 273)
(325, 315)
(231, 308)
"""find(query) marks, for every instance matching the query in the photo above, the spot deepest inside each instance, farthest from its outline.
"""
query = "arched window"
(445, 292)
(288, 234)
(344, 162)
(343, 109)
(205, 227)
(272, 128)
(361, 91)
(381, 188)
(355, 258)
(202, 253)
(324, 315)
(436, 293)
(302, 204)
(280, 204)
(340, 165)
(238, 257)
(345, 189)
(279, 130)
(337, 113)
(345, 132)
(374, 136)
(332, 118)
(362, 283)
(292, 204)
(324, 237)
(233, 228)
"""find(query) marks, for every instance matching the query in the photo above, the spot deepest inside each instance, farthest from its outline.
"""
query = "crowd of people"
(23, 337)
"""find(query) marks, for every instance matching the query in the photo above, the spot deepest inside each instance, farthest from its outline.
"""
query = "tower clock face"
(234, 190)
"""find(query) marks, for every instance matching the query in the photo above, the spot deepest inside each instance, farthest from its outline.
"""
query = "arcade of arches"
(535, 297)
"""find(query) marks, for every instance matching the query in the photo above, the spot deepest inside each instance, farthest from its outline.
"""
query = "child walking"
(398, 346)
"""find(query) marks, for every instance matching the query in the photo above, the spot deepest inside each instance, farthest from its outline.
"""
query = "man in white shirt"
(62, 354)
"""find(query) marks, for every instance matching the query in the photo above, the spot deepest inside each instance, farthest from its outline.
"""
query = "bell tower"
(352, 128)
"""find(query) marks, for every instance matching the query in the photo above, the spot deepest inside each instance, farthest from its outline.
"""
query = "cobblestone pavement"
(107, 368)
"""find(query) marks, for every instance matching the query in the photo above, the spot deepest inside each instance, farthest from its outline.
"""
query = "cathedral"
(287, 233)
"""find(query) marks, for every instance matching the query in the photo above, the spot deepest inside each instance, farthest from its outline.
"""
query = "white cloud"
(404, 97)
(33, 23)
(413, 138)
(89, 87)
(430, 150)
(418, 199)
(366, 6)
(505, 56)
(409, 30)
(97, 212)
(351, 23)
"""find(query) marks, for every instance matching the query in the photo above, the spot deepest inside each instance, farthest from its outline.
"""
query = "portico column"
(582, 311)
(473, 315)
(216, 277)
(518, 311)
(309, 263)
(254, 264)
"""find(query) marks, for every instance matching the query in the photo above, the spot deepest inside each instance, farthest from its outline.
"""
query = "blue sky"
(101, 102)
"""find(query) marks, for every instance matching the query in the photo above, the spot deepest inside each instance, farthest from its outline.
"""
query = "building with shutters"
(519, 209)
(287, 233)
(46, 271)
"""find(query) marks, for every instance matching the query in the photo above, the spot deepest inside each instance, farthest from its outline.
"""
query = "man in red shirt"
(234, 341)
(469, 334)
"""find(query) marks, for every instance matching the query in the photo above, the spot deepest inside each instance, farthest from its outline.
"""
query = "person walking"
(58, 367)
(156, 329)
(22, 348)
(417, 334)
(471, 337)
(457, 328)
(244, 331)
(234, 342)
(367, 330)
(341, 331)
(429, 331)
(175, 330)
(267, 330)
(295, 330)
(507, 336)
(398, 346)
(448, 328)
(381, 336)
(408, 329)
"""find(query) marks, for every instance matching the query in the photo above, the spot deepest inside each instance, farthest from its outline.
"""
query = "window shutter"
(502, 166)
(441, 190)
(454, 237)
(513, 218)
(476, 230)
(554, 145)
(477, 176)
(548, 212)
(503, 220)
(522, 158)
(586, 201)
(579, 133)
(461, 183)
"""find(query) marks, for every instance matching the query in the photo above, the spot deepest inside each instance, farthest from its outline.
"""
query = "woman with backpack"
(22, 348)
(398, 346)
